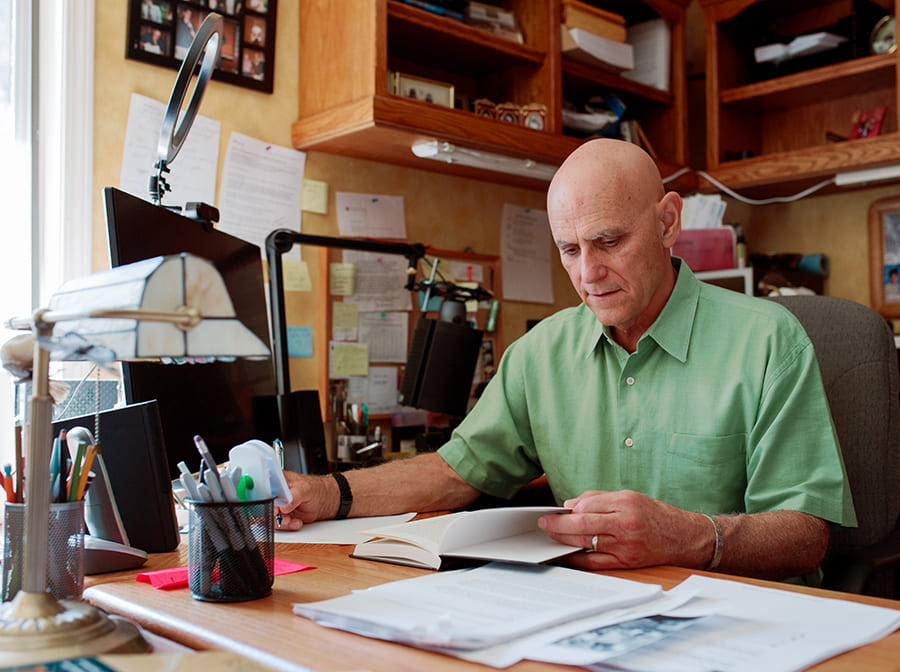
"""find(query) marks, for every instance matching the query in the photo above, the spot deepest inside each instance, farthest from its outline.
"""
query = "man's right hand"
(312, 498)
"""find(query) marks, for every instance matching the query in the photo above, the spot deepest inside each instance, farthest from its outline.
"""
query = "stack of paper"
(804, 45)
(500, 614)
(652, 44)
(598, 52)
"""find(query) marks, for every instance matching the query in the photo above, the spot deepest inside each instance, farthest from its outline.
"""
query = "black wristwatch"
(346, 495)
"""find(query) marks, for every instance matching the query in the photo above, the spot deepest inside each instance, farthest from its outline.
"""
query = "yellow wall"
(443, 211)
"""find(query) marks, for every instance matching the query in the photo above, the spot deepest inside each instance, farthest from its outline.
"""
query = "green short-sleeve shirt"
(720, 409)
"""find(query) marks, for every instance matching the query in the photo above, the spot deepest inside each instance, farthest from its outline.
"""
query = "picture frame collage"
(160, 32)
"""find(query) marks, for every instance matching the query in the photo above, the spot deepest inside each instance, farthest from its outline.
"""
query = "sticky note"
(344, 320)
(348, 359)
(300, 341)
(296, 276)
(314, 196)
(341, 279)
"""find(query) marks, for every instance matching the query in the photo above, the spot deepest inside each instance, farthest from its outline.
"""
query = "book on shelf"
(598, 52)
(632, 131)
(509, 534)
(577, 14)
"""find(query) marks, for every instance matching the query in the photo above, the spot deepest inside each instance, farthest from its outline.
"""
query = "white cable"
(676, 175)
(765, 201)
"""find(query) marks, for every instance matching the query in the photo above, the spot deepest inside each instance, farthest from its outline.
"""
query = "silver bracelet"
(720, 543)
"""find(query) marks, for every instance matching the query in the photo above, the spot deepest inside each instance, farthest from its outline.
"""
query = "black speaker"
(303, 433)
(440, 367)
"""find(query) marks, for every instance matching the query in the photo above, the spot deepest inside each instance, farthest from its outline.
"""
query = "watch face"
(883, 39)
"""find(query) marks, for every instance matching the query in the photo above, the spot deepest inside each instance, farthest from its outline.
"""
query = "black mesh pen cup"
(65, 551)
(231, 548)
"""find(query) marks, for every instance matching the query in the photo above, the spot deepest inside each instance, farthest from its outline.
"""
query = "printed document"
(475, 608)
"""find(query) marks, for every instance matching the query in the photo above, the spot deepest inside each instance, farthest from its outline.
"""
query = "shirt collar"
(672, 329)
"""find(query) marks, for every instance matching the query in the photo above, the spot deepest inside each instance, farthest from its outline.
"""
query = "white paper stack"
(599, 52)
(804, 45)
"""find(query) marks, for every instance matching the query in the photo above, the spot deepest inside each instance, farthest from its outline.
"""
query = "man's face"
(615, 259)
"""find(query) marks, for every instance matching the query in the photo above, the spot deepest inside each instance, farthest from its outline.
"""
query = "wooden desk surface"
(268, 631)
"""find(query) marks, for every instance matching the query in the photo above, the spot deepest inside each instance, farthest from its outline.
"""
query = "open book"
(510, 534)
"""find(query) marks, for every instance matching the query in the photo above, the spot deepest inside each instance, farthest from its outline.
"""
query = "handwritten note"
(344, 321)
(525, 245)
(341, 279)
(300, 341)
(295, 275)
(348, 359)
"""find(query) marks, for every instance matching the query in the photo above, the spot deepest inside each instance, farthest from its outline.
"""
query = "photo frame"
(426, 90)
(160, 33)
(884, 256)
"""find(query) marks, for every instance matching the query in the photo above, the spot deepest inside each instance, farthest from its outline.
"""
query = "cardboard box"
(576, 14)
(706, 249)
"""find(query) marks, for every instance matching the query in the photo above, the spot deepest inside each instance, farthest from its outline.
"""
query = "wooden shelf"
(789, 125)
(345, 106)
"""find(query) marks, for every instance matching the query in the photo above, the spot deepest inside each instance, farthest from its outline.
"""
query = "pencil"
(76, 472)
(85, 471)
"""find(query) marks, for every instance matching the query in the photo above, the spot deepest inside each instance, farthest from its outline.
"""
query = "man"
(684, 424)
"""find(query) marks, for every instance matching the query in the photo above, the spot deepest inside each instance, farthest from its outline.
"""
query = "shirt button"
(629, 380)
(629, 442)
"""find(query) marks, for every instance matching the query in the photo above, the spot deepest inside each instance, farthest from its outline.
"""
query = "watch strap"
(346, 495)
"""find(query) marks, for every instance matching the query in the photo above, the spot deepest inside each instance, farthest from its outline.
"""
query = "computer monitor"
(226, 403)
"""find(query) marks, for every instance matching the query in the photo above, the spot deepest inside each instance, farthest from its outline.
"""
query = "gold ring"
(594, 543)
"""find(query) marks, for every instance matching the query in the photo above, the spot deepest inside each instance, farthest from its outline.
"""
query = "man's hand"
(632, 530)
(312, 498)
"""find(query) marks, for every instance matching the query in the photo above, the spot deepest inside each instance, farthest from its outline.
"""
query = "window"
(45, 187)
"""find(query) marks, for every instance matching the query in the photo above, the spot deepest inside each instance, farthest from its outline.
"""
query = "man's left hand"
(626, 529)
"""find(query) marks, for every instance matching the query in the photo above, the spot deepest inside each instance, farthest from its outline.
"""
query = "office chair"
(858, 359)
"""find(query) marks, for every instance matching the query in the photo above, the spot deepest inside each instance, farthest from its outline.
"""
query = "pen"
(8, 484)
(76, 471)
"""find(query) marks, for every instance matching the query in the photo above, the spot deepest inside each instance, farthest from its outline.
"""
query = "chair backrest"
(857, 357)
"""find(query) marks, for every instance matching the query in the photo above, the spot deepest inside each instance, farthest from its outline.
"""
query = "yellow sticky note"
(296, 276)
(341, 279)
(314, 196)
(472, 305)
(348, 359)
(344, 320)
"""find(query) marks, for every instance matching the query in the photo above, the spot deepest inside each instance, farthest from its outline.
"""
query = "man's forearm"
(421, 483)
(773, 545)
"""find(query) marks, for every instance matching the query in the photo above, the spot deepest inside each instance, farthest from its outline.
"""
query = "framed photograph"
(884, 256)
(426, 90)
(161, 31)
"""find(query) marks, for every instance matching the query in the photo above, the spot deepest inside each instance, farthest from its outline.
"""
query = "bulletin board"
(483, 269)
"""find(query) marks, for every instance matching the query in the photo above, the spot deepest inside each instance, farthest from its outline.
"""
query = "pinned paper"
(372, 215)
(344, 320)
(471, 304)
(341, 279)
(300, 341)
(348, 359)
(295, 275)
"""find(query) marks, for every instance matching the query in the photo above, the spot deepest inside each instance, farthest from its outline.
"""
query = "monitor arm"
(280, 241)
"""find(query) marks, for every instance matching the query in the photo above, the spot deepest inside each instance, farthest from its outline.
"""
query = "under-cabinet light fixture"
(450, 153)
(867, 175)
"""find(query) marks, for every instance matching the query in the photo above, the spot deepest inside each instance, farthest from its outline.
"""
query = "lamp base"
(35, 628)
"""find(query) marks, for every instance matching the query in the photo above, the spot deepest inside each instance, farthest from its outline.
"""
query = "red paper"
(178, 577)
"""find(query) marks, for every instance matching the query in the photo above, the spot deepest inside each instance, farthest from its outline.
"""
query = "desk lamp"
(170, 309)
(173, 309)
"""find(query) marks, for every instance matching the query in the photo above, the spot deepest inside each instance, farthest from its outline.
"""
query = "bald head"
(614, 225)
(606, 173)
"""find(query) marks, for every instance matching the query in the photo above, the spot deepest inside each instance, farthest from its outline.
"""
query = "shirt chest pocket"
(705, 473)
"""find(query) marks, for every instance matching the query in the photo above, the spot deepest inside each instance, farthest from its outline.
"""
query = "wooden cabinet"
(775, 129)
(348, 48)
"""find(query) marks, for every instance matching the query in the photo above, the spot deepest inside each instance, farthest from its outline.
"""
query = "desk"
(266, 630)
